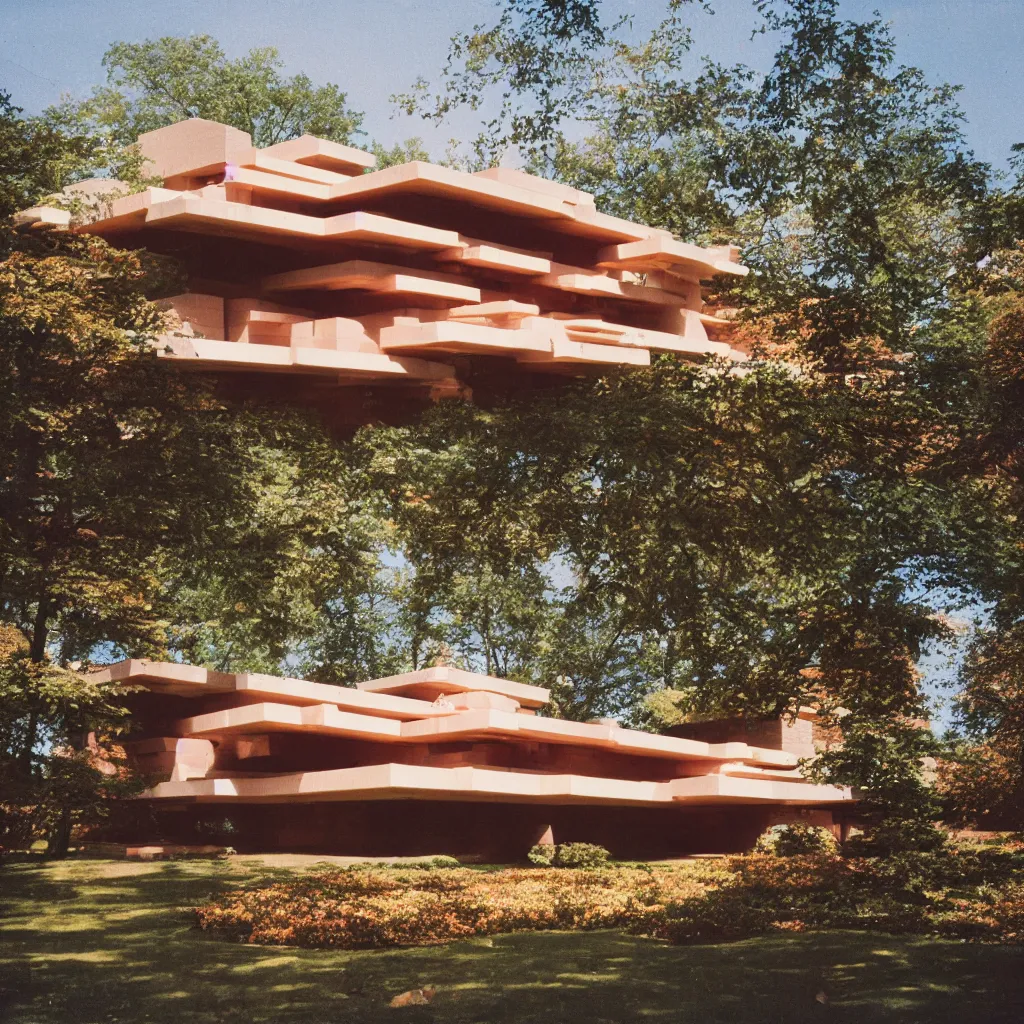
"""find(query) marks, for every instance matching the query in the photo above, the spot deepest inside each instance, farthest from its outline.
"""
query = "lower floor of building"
(490, 831)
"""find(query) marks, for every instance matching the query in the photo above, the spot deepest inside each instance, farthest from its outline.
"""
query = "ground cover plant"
(959, 892)
(370, 908)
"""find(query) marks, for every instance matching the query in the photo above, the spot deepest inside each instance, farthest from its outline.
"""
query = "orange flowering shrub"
(958, 892)
(372, 908)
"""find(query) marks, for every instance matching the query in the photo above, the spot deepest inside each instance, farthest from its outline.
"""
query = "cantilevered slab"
(186, 211)
(564, 350)
(332, 156)
(497, 257)
(479, 725)
(455, 336)
(581, 281)
(504, 312)
(660, 252)
(727, 789)
(194, 681)
(166, 677)
(382, 278)
(318, 719)
(421, 178)
(693, 342)
(260, 160)
(271, 184)
(372, 227)
(430, 683)
(534, 183)
(402, 781)
(203, 354)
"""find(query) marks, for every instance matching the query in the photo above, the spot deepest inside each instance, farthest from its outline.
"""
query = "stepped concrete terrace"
(437, 760)
(306, 265)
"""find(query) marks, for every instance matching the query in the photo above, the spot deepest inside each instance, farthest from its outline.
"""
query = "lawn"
(109, 941)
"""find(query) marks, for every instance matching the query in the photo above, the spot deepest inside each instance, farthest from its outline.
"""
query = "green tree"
(36, 158)
(764, 526)
(987, 785)
(132, 497)
(160, 81)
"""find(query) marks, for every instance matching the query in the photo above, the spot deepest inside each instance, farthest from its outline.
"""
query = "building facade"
(368, 293)
(437, 761)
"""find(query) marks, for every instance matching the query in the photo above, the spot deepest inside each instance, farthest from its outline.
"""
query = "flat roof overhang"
(467, 784)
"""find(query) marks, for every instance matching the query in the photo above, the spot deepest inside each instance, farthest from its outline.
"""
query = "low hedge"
(961, 893)
(367, 908)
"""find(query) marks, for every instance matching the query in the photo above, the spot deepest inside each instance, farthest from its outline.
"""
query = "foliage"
(980, 787)
(887, 765)
(160, 81)
(542, 855)
(111, 935)
(984, 777)
(894, 835)
(544, 46)
(580, 855)
(49, 788)
(654, 513)
(959, 892)
(123, 480)
(795, 840)
(444, 862)
(400, 153)
(36, 158)
(922, 895)
(353, 909)
(568, 855)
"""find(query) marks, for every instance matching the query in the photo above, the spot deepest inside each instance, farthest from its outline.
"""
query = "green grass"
(107, 941)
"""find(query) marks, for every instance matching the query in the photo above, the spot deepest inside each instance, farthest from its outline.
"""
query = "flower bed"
(960, 893)
(372, 908)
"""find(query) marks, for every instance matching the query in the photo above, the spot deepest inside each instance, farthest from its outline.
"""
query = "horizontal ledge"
(475, 724)
(401, 782)
(211, 354)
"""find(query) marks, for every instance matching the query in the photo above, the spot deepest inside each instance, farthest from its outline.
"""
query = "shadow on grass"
(109, 941)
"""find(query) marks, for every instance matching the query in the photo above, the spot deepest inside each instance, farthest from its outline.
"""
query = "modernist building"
(313, 276)
(439, 760)
(366, 292)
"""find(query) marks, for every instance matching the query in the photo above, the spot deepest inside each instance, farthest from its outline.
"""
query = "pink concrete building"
(345, 285)
(441, 760)
(365, 292)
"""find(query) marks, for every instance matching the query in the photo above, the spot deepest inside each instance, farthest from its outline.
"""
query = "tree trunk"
(59, 839)
(37, 652)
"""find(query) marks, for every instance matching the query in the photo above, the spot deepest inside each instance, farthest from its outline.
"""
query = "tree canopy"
(160, 81)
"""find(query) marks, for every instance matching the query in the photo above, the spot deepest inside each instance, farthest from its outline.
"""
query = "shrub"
(444, 862)
(795, 840)
(542, 855)
(898, 835)
(378, 908)
(961, 893)
(580, 855)
(568, 855)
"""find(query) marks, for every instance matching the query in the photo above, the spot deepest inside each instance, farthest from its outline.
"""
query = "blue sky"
(373, 49)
